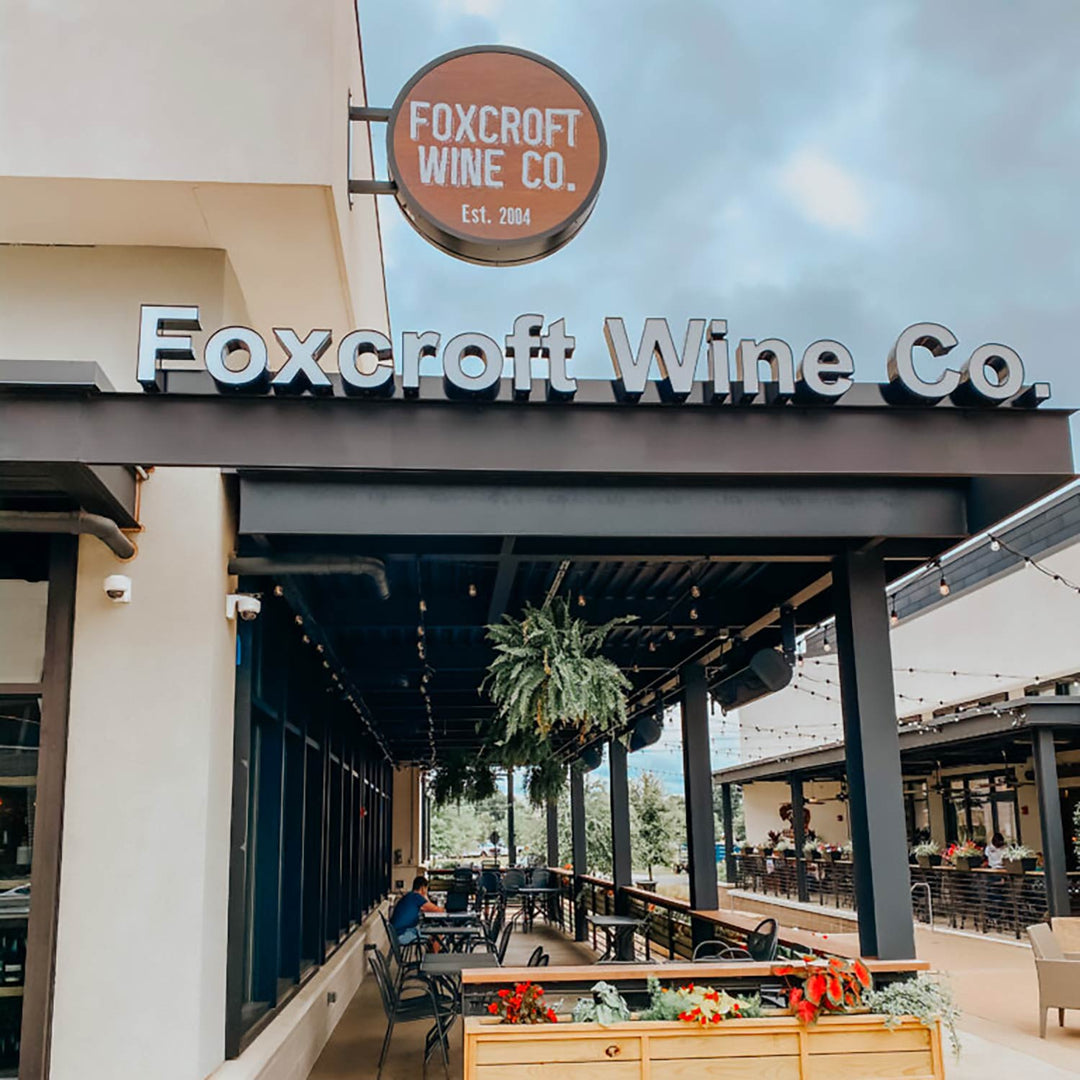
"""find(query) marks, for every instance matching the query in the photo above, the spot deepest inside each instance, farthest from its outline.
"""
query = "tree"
(597, 828)
(652, 825)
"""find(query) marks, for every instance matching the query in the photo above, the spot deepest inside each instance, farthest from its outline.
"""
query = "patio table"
(617, 928)
(456, 937)
(531, 895)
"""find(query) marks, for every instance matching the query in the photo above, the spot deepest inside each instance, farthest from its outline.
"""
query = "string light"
(943, 585)
(580, 599)
(472, 588)
(1029, 561)
(825, 644)
(670, 634)
(693, 614)
(695, 591)
(894, 618)
(427, 674)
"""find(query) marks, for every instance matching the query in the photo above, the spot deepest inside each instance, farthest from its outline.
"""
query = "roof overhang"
(1011, 719)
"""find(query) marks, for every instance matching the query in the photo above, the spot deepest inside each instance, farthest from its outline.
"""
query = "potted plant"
(967, 856)
(522, 1004)
(769, 846)
(928, 1000)
(927, 854)
(548, 681)
(812, 849)
(785, 848)
(747, 849)
(1019, 859)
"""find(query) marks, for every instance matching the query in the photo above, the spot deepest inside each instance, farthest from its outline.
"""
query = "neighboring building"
(966, 665)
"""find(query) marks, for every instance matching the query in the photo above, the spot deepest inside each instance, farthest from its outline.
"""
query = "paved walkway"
(995, 986)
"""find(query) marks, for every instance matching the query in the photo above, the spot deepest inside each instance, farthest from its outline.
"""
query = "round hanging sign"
(497, 154)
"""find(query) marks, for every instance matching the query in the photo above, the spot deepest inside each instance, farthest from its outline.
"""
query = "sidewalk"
(995, 987)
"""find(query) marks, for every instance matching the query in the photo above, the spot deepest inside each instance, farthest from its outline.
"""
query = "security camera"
(239, 604)
(118, 588)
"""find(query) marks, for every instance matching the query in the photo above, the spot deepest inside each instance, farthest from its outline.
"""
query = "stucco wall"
(140, 966)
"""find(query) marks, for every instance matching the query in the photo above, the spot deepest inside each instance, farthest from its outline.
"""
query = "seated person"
(406, 917)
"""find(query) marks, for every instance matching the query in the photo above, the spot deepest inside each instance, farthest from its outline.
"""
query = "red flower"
(552, 1018)
(493, 1009)
(504, 993)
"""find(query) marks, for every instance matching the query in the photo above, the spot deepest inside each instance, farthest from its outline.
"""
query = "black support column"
(511, 843)
(872, 745)
(553, 832)
(577, 846)
(798, 826)
(697, 777)
(729, 833)
(1053, 834)
(621, 871)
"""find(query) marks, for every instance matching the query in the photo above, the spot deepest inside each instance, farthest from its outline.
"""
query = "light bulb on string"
(825, 642)
(894, 618)
(693, 614)
(695, 592)
(995, 544)
(472, 589)
(943, 585)
(580, 599)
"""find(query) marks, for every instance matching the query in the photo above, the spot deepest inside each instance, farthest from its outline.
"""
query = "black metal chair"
(541, 878)
(763, 940)
(407, 957)
(457, 898)
(504, 941)
(424, 1001)
(708, 952)
(536, 958)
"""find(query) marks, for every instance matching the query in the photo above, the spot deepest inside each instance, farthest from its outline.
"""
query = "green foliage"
(927, 999)
(675, 1004)
(606, 1006)
(548, 678)
(462, 776)
(545, 781)
(653, 827)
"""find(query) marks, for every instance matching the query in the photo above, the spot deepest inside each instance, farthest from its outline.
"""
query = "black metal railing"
(987, 901)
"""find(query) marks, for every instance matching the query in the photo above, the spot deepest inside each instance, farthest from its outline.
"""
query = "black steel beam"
(552, 821)
(798, 828)
(601, 508)
(577, 848)
(1053, 834)
(621, 869)
(511, 838)
(697, 777)
(231, 431)
(872, 743)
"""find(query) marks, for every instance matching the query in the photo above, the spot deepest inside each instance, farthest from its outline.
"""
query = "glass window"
(23, 606)
(20, 726)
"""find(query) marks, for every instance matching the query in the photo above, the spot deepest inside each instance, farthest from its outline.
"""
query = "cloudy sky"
(804, 169)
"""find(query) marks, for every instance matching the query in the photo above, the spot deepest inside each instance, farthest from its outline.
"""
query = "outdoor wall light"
(118, 588)
(240, 605)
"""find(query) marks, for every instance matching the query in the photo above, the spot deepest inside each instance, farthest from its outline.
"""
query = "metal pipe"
(72, 523)
(270, 565)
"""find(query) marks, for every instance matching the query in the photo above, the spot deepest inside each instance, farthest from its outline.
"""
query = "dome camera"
(240, 605)
(118, 588)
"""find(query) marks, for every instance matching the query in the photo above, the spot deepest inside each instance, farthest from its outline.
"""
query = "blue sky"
(804, 169)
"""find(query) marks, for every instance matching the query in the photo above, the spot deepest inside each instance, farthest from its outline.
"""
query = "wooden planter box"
(856, 1047)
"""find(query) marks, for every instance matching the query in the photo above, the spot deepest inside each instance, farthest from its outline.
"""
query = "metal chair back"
(708, 952)
(512, 880)
(457, 899)
(536, 959)
(541, 878)
(763, 940)
(490, 882)
(504, 941)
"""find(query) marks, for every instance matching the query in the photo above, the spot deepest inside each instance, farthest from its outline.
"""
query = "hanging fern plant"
(462, 777)
(545, 781)
(549, 679)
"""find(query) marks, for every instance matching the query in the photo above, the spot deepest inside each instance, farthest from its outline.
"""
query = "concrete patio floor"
(994, 983)
(353, 1050)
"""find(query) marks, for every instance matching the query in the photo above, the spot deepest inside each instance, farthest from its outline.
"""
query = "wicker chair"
(1059, 977)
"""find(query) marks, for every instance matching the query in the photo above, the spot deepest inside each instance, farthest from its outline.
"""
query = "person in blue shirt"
(406, 917)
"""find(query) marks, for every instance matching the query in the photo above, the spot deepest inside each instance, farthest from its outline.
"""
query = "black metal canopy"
(702, 521)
